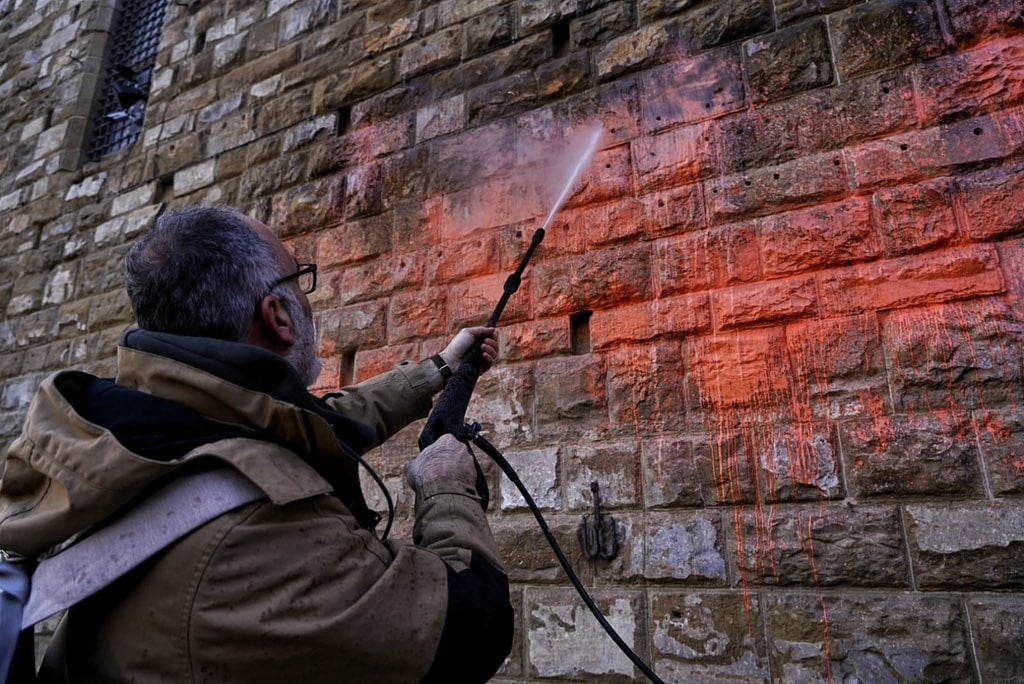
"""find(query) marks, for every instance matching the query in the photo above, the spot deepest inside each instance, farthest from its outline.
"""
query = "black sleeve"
(477, 634)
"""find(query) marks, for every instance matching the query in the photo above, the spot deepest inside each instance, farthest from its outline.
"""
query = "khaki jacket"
(290, 589)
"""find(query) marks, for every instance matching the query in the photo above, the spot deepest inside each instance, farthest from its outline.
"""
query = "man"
(293, 588)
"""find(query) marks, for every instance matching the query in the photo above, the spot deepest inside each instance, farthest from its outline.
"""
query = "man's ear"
(275, 321)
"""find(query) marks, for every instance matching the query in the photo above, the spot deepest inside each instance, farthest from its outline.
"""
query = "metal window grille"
(131, 55)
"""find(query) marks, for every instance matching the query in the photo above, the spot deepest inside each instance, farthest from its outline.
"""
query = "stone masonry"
(780, 322)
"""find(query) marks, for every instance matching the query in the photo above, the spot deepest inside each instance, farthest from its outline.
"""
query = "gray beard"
(303, 354)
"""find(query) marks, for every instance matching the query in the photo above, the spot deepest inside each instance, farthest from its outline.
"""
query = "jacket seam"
(203, 565)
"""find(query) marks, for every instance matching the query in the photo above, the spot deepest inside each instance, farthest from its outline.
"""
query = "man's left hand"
(460, 344)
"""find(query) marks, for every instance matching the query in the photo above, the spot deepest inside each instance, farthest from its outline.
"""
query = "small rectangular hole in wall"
(561, 34)
(200, 43)
(579, 332)
(348, 367)
(344, 121)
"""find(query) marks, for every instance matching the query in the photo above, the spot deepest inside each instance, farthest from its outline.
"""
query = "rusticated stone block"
(613, 466)
(718, 23)
(998, 628)
(534, 339)
(767, 302)
(867, 638)
(912, 281)
(302, 209)
(818, 237)
(814, 546)
(473, 301)
(697, 469)
(571, 396)
(960, 355)
(565, 640)
(679, 209)
(818, 179)
(972, 82)
(993, 202)
(512, 94)
(474, 255)
(679, 156)
(839, 369)
(967, 545)
(706, 260)
(877, 35)
(360, 326)
(526, 54)
(973, 20)
(362, 191)
(353, 241)
(931, 152)
(929, 453)
(377, 278)
(915, 218)
(686, 547)
(576, 230)
(417, 314)
(503, 403)
(739, 378)
(650, 45)
(372, 362)
(436, 51)
(789, 61)
(693, 89)
(685, 315)
(708, 637)
(597, 28)
(643, 387)
(596, 280)
(818, 120)
(538, 469)
(1001, 436)
(790, 11)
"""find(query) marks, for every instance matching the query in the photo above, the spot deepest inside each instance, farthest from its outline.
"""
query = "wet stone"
(708, 638)
(867, 638)
(998, 624)
(967, 546)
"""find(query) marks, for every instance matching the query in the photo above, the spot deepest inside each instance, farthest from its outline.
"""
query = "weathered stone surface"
(789, 61)
(998, 628)
(676, 157)
(526, 553)
(906, 282)
(915, 218)
(977, 545)
(884, 34)
(1001, 436)
(958, 356)
(613, 466)
(768, 302)
(818, 120)
(918, 453)
(594, 280)
(539, 468)
(571, 395)
(973, 20)
(813, 547)
(866, 637)
(707, 260)
(790, 11)
(503, 403)
(821, 236)
(561, 634)
(708, 637)
(685, 547)
(993, 202)
(839, 369)
(970, 83)
(643, 387)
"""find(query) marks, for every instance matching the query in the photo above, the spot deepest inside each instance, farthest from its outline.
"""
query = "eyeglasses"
(306, 275)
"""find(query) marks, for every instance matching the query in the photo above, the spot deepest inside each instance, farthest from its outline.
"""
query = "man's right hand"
(445, 459)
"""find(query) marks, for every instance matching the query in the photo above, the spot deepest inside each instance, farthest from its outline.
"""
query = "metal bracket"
(597, 534)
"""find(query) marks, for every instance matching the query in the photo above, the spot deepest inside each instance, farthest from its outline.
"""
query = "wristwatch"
(442, 367)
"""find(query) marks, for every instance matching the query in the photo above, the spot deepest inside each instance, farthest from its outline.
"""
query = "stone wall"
(780, 323)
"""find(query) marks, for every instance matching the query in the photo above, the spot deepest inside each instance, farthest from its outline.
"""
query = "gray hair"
(200, 272)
